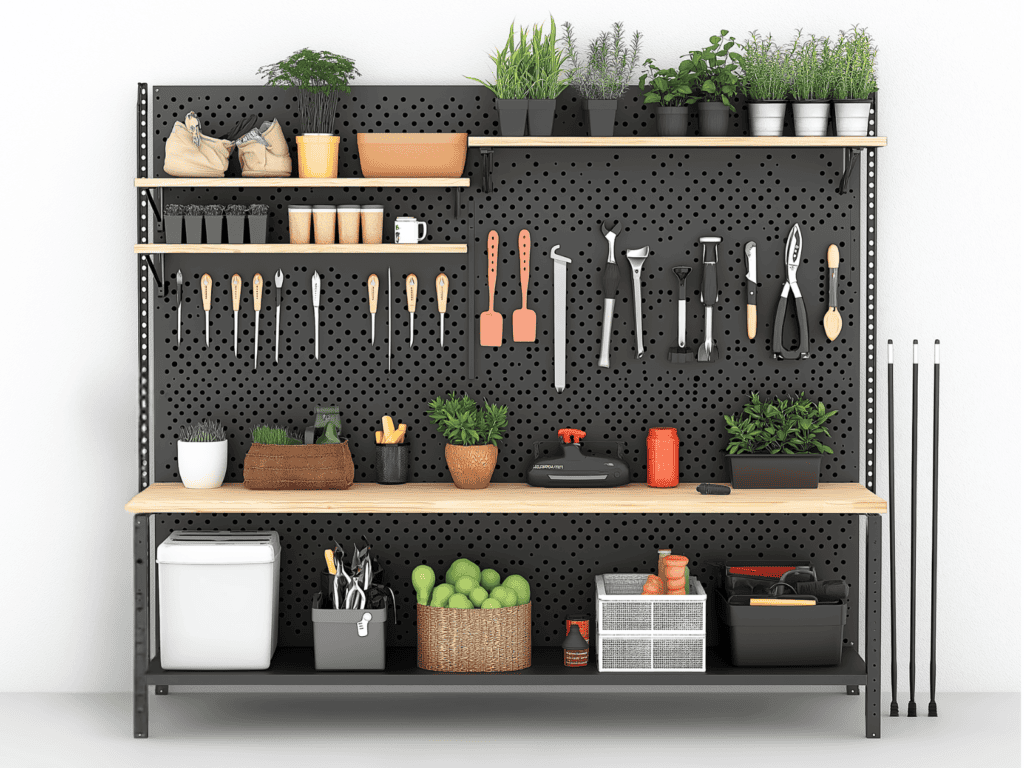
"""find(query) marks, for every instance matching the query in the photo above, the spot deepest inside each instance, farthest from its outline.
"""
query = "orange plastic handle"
(571, 435)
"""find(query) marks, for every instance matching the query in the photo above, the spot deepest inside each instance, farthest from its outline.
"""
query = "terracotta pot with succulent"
(767, 71)
(473, 433)
(547, 60)
(711, 74)
(173, 216)
(511, 86)
(855, 82)
(813, 63)
(235, 215)
(193, 223)
(776, 444)
(202, 455)
(214, 218)
(258, 214)
(602, 74)
(668, 88)
(320, 77)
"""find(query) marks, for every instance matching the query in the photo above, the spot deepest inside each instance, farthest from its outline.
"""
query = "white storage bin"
(218, 599)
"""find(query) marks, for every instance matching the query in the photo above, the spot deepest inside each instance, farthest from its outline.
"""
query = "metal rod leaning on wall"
(894, 706)
(932, 708)
(912, 705)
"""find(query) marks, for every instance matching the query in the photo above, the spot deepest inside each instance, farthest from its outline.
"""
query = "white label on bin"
(363, 624)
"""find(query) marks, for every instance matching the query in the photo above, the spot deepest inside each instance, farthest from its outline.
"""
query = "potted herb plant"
(813, 62)
(712, 77)
(235, 215)
(602, 74)
(777, 444)
(511, 84)
(258, 214)
(173, 214)
(214, 216)
(546, 81)
(202, 455)
(193, 223)
(668, 88)
(855, 82)
(320, 77)
(766, 83)
(278, 460)
(473, 433)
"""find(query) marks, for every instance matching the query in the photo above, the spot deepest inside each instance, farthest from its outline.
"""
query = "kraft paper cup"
(372, 217)
(324, 224)
(348, 224)
(299, 220)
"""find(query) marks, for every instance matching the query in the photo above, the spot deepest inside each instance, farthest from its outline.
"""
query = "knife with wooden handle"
(750, 254)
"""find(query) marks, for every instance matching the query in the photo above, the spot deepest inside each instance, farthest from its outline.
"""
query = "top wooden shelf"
(297, 183)
(434, 498)
(677, 141)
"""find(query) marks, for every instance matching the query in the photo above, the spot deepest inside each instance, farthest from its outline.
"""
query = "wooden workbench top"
(432, 498)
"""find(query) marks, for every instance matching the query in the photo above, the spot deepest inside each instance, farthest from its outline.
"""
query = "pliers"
(794, 246)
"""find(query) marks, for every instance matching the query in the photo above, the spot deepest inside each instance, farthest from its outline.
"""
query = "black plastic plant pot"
(512, 115)
(172, 229)
(713, 118)
(236, 229)
(599, 115)
(214, 229)
(194, 229)
(258, 228)
(780, 470)
(393, 464)
(542, 116)
(672, 121)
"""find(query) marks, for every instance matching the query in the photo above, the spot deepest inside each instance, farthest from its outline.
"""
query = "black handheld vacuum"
(572, 468)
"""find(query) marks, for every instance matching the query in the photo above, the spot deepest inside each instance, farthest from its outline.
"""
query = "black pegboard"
(665, 198)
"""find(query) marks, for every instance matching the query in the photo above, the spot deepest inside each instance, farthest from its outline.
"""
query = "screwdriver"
(278, 283)
(372, 286)
(207, 287)
(316, 314)
(236, 297)
(411, 288)
(177, 280)
(257, 301)
(441, 283)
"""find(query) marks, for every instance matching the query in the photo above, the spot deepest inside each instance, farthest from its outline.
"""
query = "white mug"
(408, 230)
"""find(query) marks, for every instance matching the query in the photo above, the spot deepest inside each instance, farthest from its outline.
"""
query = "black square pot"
(780, 470)
(172, 229)
(713, 118)
(214, 229)
(193, 229)
(672, 121)
(599, 116)
(236, 229)
(512, 116)
(258, 228)
(542, 116)
(393, 464)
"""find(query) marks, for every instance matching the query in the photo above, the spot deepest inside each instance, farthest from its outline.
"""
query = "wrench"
(609, 287)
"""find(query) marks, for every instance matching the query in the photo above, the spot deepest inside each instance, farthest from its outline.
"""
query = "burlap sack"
(184, 159)
(299, 467)
(267, 161)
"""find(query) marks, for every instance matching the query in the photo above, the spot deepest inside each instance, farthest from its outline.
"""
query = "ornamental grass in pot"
(602, 74)
(776, 444)
(813, 67)
(668, 88)
(712, 77)
(202, 455)
(767, 71)
(512, 79)
(547, 60)
(473, 433)
(854, 82)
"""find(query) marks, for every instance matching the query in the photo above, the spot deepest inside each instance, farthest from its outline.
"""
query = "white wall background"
(950, 211)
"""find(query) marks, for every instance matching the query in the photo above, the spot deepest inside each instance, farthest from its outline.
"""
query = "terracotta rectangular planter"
(412, 155)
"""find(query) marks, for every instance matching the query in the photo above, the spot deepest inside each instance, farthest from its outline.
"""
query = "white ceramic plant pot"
(810, 118)
(766, 117)
(852, 117)
(202, 465)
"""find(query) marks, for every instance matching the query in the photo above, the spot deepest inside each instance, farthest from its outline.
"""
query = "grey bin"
(337, 643)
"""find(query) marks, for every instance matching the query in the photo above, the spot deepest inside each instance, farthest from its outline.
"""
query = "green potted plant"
(235, 215)
(320, 77)
(813, 61)
(668, 88)
(855, 82)
(258, 214)
(511, 85)
(214, 218)
(712, 77)
(602, 74)
(473, 433)
(766, 82)
(202, 455)
(173, 216)
(280, 460)
(546, 80)
(777, 444)
(193, 223)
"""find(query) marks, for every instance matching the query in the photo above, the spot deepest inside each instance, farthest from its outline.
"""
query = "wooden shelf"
(288, 248)
(433, 498)
(677, 141)
(296, 183)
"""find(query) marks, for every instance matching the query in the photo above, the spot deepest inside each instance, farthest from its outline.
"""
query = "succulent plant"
(206, 431)
(235, 210)
(193, 210)
(213, 210)
(174, 209)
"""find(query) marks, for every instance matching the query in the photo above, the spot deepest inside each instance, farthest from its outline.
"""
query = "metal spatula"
(490, 321)
(524, 321)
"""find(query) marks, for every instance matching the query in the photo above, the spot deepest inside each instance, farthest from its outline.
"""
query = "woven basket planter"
(325, 467)
(477, 640)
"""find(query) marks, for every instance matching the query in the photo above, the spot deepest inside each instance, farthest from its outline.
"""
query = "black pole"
(932, 709)
(894, 706)
(912, 705)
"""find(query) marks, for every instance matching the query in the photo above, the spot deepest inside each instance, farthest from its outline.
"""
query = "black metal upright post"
(894, 706)
(932, 707)
(873, 629)
(140, 699)
(912, 705)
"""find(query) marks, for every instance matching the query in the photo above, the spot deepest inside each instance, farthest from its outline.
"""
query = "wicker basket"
(458, 640)
(298, 467)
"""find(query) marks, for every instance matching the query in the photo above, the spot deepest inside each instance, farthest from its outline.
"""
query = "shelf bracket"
(158, 210)
(158, 275)
(487, 155)
(458, 193)
(850, 157)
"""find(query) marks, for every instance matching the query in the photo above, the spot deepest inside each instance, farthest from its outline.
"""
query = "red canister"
(662, 457)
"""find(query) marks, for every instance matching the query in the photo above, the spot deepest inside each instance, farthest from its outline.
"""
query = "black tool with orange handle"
(569, 467)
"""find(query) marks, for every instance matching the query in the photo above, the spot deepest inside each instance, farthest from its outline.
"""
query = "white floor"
(496, 729)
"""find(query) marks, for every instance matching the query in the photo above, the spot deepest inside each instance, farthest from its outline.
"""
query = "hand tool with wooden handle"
(278, 285)
(412, 287)
(524, 321)
(750, 253)
(833, 320)
(372, 287)
(236, 298)
(206, 285)
(391, 311)
(177, 299)
(315, 286)
(257, 302)
(490, 321)
(559, 269)
(609, 290)
(441, 283)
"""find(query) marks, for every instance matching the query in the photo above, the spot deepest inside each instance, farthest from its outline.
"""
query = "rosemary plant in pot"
(512, 79)
(668, 88)
(766, 83)
(602, 74)
(546, 78)
(855, 82)
(776, 444)
(202, 455)
(320, 77)
(473, 433)
(714, 82)
(813, 62)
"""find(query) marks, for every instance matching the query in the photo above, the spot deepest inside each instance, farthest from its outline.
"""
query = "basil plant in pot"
(601, 74)
(777, 444)
(713, 79)
(320, 77)
(668, 88)
(473, 433)
(202, 455)
(512, 80)
(813, 62)
(766, 82)
(854, 82)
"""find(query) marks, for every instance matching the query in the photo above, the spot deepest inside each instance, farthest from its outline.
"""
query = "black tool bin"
(782, 636)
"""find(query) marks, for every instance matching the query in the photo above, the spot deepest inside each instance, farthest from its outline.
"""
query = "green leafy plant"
(174, 209)
(854, 65)
(814, 67)
(665, 87)
(462, 422)
(266, 434)
(782, 426)
(207, 431)
(605, 70)
(512, 67)
(767, 68)
(321, 77)
(235, 210)
(259, 209)
(711, 71)
(546, 63)
(213, 210)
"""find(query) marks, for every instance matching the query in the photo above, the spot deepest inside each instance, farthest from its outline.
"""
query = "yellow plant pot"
(318, 156)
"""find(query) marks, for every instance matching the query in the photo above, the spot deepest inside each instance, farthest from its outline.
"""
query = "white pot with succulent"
(602, 74)
(202, 455)
(767, 72)
(855, 82)
(813, 63)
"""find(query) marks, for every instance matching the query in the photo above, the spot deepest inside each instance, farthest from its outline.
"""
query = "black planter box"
(257, 228)
(172, 229)
(542, 116)
(599, 116)
(214, 228)
(780, 470)
(193, 229)
(512, 116)
(236, 229)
